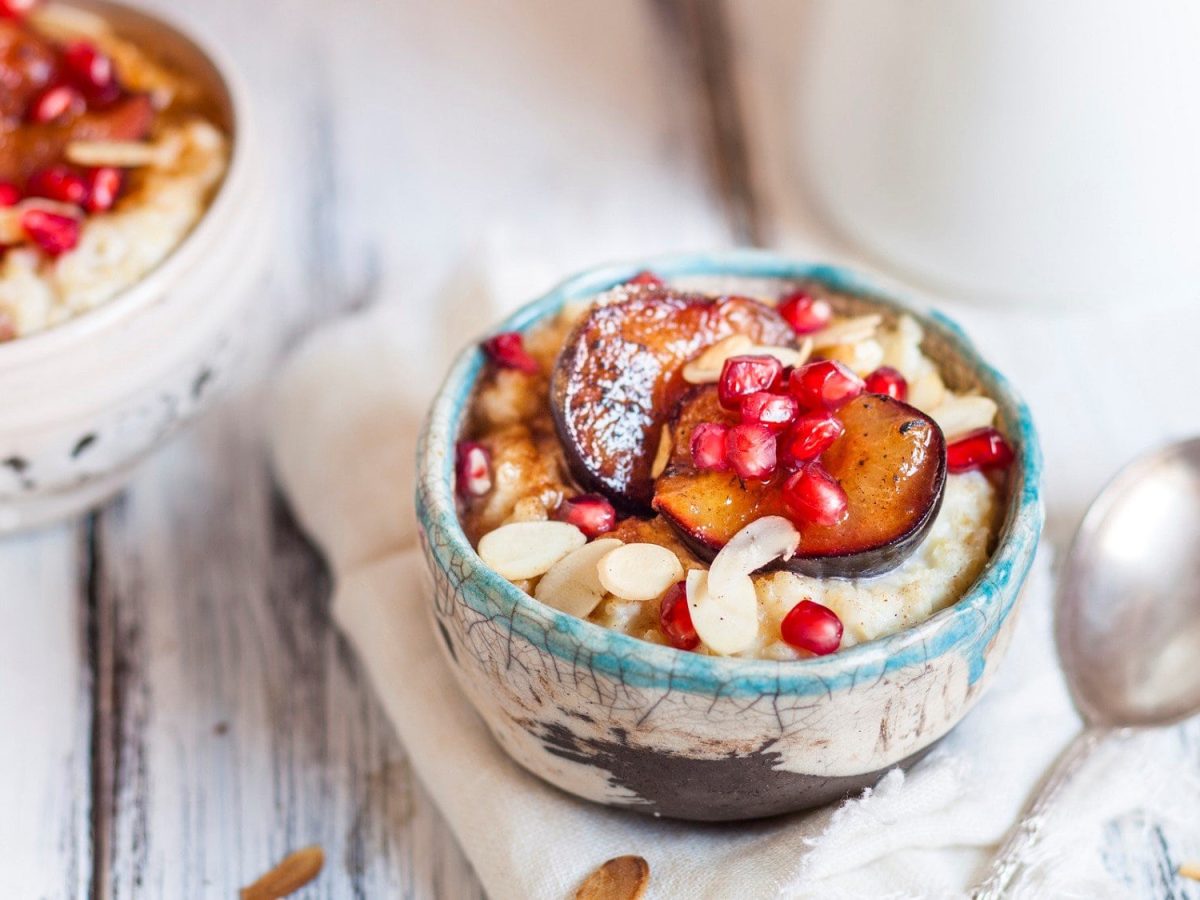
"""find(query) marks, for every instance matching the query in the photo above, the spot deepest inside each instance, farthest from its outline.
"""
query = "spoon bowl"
(1127, 623)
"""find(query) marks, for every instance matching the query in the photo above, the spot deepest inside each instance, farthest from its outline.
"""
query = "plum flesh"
(891, 462)
(618, 377)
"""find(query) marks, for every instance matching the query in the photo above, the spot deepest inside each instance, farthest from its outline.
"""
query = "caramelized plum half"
(891, 462)
(618, 378)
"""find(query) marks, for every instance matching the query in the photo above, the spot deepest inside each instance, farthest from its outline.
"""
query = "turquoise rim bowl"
(967, 627)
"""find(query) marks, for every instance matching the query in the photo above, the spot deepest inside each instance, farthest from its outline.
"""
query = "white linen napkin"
(345, 413)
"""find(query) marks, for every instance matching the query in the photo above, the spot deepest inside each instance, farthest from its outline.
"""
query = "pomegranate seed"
(888, 381)
(508, 352)
(10, 194)
(824, 384)
(812, 627)
(804, 313)
(57, 102)
(646, 278)
(776, 411)
(675, 619)
(810, 435)
(473, 466)
(53, 232)
(708, 447)
(92, 72)
(751, 451)
(58, 183)
(984, 448)
(104, 185)
(814, 496)
(590, 513)
(16, 9)
(744, 375)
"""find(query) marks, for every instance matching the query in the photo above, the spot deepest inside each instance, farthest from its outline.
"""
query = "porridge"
(764, 470)
(108, 158)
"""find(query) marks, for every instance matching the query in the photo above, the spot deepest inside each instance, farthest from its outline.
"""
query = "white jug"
(1028, 150)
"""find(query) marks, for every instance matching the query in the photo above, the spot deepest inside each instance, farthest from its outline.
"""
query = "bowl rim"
(974, 618)
(188, 252)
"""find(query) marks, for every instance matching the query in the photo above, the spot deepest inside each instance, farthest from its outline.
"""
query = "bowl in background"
(82, 402)
(647, 727)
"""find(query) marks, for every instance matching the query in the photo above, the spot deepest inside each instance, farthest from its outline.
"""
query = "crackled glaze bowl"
(81, 403)
(646, 727)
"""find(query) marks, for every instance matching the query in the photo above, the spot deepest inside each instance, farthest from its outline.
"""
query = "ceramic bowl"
(646, 727)
(82, 402)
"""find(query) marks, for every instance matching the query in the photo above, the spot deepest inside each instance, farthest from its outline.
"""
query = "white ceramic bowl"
(82, 402)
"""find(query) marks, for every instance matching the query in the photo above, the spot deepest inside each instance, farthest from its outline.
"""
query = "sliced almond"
(639, 571)
(293, 872)
(862, 357)
(761, 542)
(958, 415)
(1190, 870)
(528, 549)
(663, 455)
(927, 390)
(67, 23)
(701, 369)
(706, 368)
(847, 331)
(122, 154)
(727, 623)
(573, 583)
(623, 878)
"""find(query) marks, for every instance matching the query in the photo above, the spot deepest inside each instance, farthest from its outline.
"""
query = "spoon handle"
(1027, 832)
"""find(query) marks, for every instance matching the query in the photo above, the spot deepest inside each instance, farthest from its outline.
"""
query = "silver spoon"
(1127, 624)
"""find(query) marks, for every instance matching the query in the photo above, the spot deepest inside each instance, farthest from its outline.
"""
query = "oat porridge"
(108, 158)
(765, 470)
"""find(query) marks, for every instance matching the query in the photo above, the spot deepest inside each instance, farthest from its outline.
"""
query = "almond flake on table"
(292, 873)
(622, 878)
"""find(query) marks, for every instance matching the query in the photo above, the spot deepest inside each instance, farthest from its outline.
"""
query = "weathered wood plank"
(45, 703)
(408, 141)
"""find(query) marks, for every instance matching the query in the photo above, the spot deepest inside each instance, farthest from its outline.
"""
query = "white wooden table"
(179, 712)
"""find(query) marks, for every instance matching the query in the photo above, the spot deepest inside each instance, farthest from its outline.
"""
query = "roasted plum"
(891, 463)
(618, 378)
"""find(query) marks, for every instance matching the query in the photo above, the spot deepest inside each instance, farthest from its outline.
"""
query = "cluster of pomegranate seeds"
(804, 313)
(10, 194)
(742, 376)
(824, 384)
(775, 411)
(473, 468)
(888, 381)
(814, 497)
(812, 627)
(675, 619)
(53, 232)
(708, 447)
(508, 351)
(646, 278)
(984, 448)
(590, 513)
(59, 101)
(750, 450)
